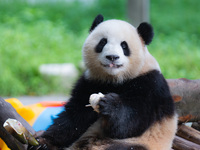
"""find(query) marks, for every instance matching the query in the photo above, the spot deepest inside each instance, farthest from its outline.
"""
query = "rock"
(62, 70)
(63, 74)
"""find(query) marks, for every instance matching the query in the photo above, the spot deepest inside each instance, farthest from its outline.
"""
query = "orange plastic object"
(30, 112)
(52, 103)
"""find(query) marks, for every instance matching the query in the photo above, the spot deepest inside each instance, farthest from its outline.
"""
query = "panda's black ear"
(145, 31)
(96, 22)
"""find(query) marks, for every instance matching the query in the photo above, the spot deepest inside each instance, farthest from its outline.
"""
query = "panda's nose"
(112, 57)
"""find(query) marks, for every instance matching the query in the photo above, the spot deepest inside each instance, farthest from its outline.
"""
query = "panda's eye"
(125, 48)
(100, 45)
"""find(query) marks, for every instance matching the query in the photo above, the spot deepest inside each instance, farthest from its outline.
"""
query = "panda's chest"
(129, 86)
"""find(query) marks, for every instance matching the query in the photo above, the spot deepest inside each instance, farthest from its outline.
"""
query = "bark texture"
(186, 94)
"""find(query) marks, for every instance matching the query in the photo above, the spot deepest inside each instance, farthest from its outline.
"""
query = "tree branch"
(186, 94)
(188, 133)
(7, 111)
(182, 144)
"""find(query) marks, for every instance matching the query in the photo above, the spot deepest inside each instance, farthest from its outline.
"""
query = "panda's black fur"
(128, 109)
(97, 20)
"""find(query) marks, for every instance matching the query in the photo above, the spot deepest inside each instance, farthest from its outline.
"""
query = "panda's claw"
(40, 147)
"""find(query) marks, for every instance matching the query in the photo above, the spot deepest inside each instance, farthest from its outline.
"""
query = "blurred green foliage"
(177, 34)
(33, 34)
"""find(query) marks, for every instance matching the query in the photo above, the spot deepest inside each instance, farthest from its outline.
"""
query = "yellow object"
(30, 113)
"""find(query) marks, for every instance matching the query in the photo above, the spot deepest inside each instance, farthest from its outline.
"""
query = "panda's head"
(116, 51)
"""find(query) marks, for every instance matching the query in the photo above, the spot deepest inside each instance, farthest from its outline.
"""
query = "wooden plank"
(189, 134)
(182, 144)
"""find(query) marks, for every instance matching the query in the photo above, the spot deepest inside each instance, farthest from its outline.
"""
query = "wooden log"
(189, 133)
(186, 94)
(196, 125)
(182, 144)
(7, 111)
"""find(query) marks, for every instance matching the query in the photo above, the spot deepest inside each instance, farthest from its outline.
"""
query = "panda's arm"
(123, 118)
(69, 126)
(74, 120)
(131, 112)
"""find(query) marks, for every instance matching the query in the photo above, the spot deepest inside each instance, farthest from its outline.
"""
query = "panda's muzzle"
(112, 57)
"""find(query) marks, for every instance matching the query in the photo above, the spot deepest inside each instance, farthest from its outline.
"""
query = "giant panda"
(134, 109)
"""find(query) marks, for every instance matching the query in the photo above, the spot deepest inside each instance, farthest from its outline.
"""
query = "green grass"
(31, 35)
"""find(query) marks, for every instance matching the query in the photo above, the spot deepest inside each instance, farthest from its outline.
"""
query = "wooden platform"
(187, 138)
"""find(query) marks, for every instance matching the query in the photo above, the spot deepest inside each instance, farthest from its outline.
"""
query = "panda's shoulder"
(152, 79)
(155, 80)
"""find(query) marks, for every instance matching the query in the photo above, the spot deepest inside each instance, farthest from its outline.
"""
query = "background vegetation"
(35, 33)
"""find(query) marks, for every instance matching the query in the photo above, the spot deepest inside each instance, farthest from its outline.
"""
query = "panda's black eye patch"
(101, 45)
(125, 48)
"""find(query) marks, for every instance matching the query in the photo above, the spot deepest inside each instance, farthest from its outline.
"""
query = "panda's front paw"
(109, 103)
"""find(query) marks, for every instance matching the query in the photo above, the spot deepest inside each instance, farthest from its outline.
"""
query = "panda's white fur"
(141, 60)
(160, 135)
